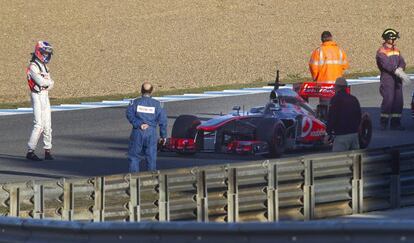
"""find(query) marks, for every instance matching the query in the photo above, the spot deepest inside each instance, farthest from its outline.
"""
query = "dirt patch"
(109, 47)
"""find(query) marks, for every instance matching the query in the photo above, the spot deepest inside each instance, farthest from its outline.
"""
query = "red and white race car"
(287, 121)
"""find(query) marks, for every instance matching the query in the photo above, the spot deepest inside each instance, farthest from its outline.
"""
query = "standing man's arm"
(358, 109)
(405, 79)
(384, 64)
(314, 64)
(163, 122)
(37, 76)
(345, 63)
(51, 83)
(130, 114)
(332, 117)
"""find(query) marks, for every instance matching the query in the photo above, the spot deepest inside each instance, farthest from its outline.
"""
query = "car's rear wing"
(318, 90)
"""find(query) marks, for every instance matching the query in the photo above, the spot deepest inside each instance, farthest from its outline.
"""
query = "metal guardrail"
(303, 188)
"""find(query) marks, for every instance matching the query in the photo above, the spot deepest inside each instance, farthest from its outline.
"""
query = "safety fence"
(301, 188)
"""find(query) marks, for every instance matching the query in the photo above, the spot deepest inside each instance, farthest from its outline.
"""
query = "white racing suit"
(40, 83)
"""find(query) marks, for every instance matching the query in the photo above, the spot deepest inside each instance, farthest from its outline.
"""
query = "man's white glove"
(403, 76)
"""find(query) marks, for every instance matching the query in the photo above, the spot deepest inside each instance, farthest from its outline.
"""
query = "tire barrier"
(303, 188)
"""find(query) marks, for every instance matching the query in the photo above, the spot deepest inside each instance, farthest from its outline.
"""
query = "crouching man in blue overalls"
(144, 114)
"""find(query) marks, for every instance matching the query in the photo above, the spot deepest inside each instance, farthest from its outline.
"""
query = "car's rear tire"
(185, 126)
(365, 131)
(274, 133)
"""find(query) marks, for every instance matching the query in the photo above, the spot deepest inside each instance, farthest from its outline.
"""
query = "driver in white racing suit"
(40, 82)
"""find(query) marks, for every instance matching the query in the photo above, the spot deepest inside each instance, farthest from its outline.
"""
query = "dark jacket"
(344, 114)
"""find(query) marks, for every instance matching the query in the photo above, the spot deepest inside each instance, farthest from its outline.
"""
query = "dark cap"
(341, 81)
(326, 35)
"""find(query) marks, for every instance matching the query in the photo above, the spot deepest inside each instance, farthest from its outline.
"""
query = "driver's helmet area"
(273, 104)
(288, 100)
(274, 97)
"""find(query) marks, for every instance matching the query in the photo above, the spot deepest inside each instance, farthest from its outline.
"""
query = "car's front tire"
(274, 133)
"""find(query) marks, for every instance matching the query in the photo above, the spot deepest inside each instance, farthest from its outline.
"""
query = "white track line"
(171, 98)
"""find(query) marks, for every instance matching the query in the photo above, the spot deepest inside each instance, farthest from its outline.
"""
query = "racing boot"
(48, 155)
(396, 124)
(32, 156)
(383, 123)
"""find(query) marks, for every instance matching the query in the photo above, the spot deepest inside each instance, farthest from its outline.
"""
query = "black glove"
(163, 141)
(161, 144)
(331, 138)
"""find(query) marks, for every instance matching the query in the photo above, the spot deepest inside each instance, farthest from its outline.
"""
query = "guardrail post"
(202, 200)
(38, 202)
(272, 193)
(395, 185)
(308, 191)
(232, 196)
(14, 202)
(135, 199)
(357, 185)
(99, 207)
(68, 201)
(163, 202)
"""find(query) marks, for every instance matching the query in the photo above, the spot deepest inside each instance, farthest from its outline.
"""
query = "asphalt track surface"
(94, 142)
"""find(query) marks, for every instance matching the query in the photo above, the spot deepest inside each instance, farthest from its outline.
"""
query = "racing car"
(286, 122)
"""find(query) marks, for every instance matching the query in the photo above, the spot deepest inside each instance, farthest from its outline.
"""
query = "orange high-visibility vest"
(327, 62)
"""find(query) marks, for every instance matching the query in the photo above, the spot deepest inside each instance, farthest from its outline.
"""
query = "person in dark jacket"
(344, 117)
(144, 114)
(392, 65)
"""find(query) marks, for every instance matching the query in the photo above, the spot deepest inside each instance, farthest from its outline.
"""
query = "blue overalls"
(143, 143)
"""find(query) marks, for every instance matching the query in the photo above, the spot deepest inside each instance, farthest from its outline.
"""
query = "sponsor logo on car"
(318, 133)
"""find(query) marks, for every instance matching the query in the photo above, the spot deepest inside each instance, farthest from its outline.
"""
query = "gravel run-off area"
(109, 47)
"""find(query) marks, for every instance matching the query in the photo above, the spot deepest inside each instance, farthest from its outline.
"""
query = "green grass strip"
(258, 83)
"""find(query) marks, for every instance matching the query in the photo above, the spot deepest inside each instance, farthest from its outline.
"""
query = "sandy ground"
(108, 47)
